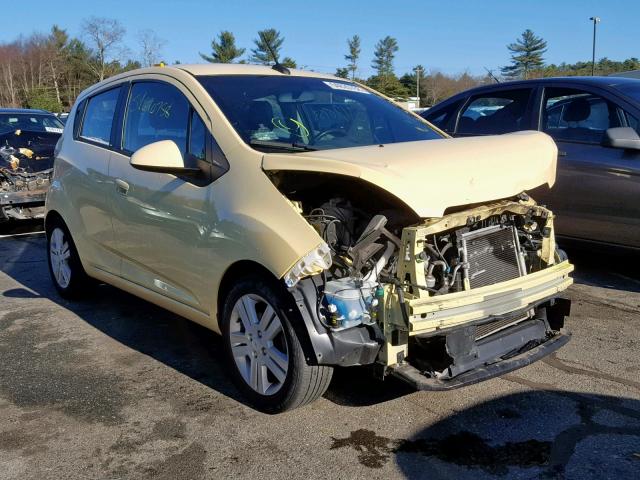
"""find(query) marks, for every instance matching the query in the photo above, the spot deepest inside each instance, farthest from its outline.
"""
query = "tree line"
(48, 71)
(527, 61)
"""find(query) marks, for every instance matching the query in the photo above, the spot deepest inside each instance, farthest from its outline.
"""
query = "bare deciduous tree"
(105, 38)
(151, 46)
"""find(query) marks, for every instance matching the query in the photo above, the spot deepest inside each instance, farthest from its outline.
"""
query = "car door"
(162, 221)
(597, 187)
(93, 137)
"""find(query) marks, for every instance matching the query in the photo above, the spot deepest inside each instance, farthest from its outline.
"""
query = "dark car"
(27, 142)
(595, 123)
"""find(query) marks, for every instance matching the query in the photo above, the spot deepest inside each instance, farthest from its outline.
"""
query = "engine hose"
(403, 304)
(446, 247)
(453, 274)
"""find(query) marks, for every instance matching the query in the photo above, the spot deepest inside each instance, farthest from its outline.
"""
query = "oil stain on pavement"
(569, 450)
(463, 448)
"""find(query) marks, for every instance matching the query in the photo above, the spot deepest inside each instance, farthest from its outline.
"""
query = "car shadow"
(535, 434)
(185, 346)
(179, 343)
(604, 266)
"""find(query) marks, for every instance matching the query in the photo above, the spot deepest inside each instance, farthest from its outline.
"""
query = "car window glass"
(494, 113)
(30, 122)
(438, 120)
(633, 122)
(315, 113)
(575, 115)
(197, 137)
(98, 118)
(155, 111)
(442, 117)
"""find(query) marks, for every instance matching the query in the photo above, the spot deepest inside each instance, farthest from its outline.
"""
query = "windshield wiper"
(287, 147)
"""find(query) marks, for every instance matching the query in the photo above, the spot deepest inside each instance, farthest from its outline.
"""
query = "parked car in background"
(595, 123)
(62, 117)
(27, 142)
(313, 223)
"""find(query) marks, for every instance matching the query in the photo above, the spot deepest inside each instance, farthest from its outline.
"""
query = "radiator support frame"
(468, 238)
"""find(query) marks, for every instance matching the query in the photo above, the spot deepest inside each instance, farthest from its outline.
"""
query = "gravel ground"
(113, 387)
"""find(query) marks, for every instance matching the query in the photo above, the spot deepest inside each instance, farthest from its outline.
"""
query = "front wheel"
(65, 267)
(265, 356)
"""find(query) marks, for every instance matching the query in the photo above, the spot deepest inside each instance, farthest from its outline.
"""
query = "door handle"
(122, 187)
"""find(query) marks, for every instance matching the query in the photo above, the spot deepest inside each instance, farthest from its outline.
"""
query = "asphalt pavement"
(112, 387)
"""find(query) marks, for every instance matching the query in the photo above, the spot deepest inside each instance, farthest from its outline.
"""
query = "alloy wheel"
(60, 253)
(258, 344)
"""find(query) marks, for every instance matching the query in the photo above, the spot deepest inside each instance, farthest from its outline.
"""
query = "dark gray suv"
(595, 122)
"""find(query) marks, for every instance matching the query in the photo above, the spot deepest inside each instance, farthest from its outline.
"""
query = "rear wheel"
(65, 267)
(265, 355)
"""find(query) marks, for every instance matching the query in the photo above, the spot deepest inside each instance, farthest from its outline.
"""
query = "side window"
(197, 138)
(442, 118)
(98, 118)
(633, 122)
(155, 111)
(77, 119)
(495, 113)
(574, 115)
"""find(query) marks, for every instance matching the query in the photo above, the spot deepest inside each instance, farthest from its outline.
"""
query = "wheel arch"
(51, 217)
(244, 268)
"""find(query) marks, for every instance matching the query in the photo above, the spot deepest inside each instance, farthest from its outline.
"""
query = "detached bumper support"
(419, 381)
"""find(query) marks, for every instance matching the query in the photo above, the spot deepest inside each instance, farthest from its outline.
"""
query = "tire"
(263, 352)
(65, 266)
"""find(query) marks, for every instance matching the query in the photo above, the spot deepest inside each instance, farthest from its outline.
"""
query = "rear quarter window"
(98, 119)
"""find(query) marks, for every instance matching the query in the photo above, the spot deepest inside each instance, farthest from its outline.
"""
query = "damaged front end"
(441, 302)
(25, 176)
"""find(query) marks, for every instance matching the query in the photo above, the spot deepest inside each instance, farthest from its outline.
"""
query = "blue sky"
(450, 36)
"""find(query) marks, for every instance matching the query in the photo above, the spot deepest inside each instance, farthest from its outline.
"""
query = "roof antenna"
(490, 73)
(278, 67)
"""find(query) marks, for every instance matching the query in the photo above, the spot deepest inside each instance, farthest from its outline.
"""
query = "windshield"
(301, 113)
(10, 122)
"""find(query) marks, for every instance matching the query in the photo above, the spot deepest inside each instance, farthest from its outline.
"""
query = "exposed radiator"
(490, 328)
(492, 254)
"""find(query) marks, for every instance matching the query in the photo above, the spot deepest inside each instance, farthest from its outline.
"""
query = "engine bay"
(26, 161)
(374, 243)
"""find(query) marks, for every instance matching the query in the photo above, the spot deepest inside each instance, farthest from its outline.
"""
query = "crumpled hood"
(433, 175)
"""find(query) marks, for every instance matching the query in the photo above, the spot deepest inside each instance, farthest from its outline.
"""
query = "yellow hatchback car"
(313, 223)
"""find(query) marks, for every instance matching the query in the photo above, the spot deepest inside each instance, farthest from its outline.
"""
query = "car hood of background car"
(433, 175)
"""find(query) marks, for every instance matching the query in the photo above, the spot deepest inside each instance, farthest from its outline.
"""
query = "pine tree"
(289, 62)
(342, 72)
(267, 38)
(354, 55)
(526, 55)
(224, 50)
(384, 54)
(385, 79)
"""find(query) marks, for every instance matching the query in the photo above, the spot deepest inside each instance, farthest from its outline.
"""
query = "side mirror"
(161, 157)
(622, 137)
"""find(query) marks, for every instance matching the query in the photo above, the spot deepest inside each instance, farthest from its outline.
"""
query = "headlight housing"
(315, 261)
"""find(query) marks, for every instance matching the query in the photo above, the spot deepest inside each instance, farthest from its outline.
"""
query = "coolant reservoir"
(349, 302)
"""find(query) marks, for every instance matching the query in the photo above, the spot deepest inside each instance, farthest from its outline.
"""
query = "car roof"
(577, 80)
(207, 69)
(24, 110)
(244, 69)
